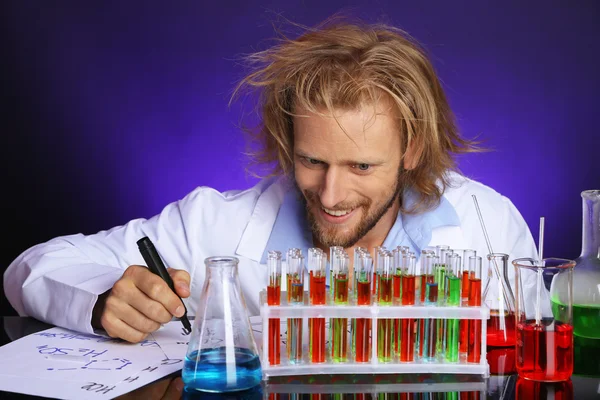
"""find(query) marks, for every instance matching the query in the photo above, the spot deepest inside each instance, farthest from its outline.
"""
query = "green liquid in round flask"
(586, 290)
(586, 275)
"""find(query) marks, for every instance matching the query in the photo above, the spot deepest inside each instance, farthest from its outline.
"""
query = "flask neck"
(590, 242)
(221, 268)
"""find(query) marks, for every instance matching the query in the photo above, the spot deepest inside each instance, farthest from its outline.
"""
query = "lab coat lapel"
(259, 227)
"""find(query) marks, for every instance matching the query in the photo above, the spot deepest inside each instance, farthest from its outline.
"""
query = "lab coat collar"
(420, 228)
(280, 228)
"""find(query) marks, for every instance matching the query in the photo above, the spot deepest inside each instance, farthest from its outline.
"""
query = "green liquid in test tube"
(454, 287)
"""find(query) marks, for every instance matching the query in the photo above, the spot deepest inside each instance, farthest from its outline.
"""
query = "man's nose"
(333, 189)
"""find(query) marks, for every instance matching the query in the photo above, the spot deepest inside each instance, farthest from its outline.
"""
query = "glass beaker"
(544, 318)
(501, 302)
(222, 354)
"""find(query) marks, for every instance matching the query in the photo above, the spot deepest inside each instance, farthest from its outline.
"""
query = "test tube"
(332, 251)
(361, 333)
(317, 264)
(464, 300)
(397, 273)
(441, 276)
(474, 330)
(339, 326)
(357, 254)
(426, 275)
(439, 248)
(385, 326)
(431, 300)
(399, 255)
(454, 286)
(295, 296)
(376, 262)
(274, 299)
(292, 251)
(407, 325)
(420, 279)
(464, 297)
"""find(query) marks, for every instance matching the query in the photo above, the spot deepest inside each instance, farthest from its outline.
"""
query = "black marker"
(156, 265)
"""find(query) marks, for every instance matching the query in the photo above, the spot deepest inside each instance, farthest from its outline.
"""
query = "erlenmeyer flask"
(222, 354)
(501, 302)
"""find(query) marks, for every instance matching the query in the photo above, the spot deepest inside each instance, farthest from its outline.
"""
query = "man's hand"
(139, 303)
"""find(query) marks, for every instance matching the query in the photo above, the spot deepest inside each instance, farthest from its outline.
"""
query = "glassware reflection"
(527, 389)
(254, 393)
(376, 387)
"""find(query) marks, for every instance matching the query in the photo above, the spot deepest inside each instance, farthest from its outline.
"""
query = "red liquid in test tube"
(397, 300)
(407, 330)
(464, 323)
(474, 331)
(474, 325)
(317, 325)
(274, 299)
(362, 333)
(273, 295)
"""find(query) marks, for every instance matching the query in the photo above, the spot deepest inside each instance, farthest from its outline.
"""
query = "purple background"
(114, 109)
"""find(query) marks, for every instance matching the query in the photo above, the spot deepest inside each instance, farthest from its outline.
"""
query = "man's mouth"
(336, 213)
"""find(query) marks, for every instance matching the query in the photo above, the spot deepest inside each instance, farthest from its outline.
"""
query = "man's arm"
(60, 281)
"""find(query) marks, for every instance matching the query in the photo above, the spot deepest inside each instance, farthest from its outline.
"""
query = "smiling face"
(348, 170)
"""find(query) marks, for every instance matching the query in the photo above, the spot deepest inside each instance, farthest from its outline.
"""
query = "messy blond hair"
(343, 65)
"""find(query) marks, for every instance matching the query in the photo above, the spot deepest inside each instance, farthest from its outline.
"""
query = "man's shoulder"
(461, 189)
(267, 187)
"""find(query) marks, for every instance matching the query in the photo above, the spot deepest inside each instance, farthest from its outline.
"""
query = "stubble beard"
(328, 236)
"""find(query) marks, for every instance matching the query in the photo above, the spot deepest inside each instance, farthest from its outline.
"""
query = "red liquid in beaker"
(544, 354)
(496, 335)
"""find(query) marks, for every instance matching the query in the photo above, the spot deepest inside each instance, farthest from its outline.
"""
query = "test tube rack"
(372, 312)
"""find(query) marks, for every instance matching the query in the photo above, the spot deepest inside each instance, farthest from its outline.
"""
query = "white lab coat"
(59, 281)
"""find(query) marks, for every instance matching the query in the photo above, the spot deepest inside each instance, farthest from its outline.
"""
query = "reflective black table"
(503, 382)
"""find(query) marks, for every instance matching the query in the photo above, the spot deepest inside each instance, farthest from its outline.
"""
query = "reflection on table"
(503, 382)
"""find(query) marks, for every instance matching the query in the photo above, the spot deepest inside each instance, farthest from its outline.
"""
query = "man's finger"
(181, 281)
(157, 289)
(117, 328)
(137, 320)
(152, 309)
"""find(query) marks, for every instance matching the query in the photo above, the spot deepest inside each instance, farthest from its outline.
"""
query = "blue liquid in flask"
(208, 371)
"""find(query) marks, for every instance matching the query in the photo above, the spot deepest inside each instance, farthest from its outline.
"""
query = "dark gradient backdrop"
(113, 109)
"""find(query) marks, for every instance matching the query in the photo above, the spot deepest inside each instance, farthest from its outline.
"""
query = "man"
(362, 137)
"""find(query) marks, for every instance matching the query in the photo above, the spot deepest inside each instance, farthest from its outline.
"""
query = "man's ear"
(411, 156)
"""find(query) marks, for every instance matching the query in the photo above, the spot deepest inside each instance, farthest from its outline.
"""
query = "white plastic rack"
(373, 312)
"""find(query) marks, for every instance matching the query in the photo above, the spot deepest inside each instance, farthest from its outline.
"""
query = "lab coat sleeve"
(59, 281)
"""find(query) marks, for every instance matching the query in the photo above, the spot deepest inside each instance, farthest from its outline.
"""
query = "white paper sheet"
(64, 364)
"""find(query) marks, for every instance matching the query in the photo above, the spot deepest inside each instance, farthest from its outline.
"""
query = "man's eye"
(363, 167)
(313, 161)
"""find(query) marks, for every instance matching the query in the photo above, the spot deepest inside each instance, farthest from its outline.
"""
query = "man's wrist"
(98, 310)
